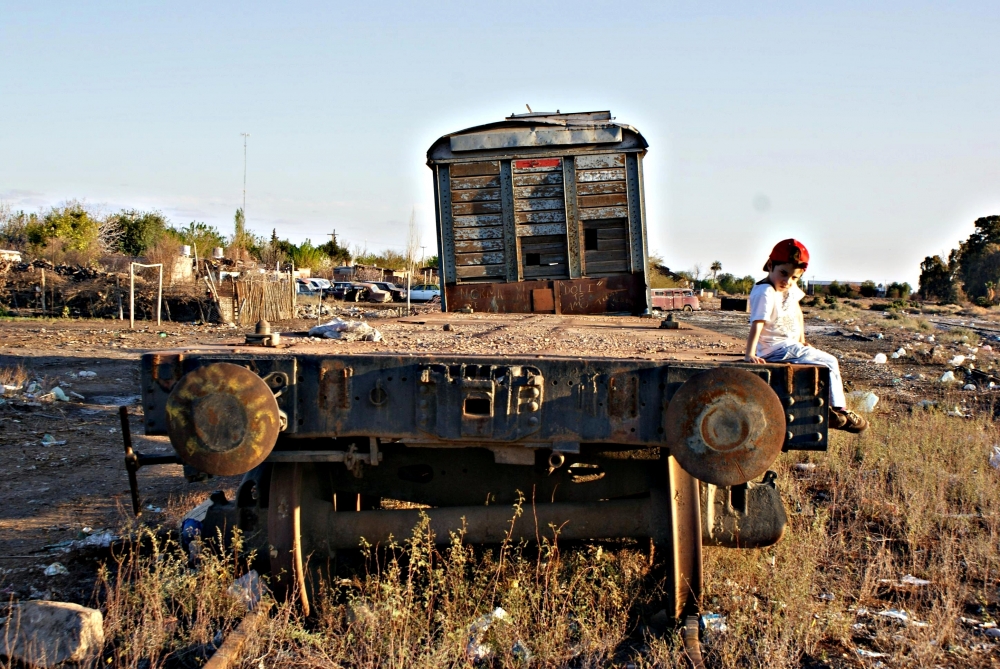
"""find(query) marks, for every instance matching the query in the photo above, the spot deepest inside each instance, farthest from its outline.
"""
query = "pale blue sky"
(871, 131)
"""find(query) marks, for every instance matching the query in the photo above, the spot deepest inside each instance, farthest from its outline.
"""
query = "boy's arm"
(751, 354)
(802, 328)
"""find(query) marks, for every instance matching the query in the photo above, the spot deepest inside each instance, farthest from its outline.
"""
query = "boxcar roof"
(538, 132)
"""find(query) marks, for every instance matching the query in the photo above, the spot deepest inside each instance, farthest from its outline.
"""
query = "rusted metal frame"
(482, 524)
(645, 239)
(684, 578)
(446, 235)
(284, 532)
(511, 244)
(540, 152)
(636, 219)
(573, 225)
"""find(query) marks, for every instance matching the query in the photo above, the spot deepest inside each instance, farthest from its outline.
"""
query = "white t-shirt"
(780, 313)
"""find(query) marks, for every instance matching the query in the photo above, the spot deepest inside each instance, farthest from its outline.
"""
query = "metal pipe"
(483, 524)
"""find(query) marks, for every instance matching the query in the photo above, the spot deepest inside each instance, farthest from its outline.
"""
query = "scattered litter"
(907, 581)
(475, 649)
(986, 347)
(957, 361)
(56, 569)
(930, 338)
(346, 330)
(869, 653)
(995, 458)
(925, 404)
(85, 374)
(866, 399)
(895, 614)
(60, 394)
(947, 377)
(49, 440)
(714, 622)
(969, 386)
(880, 359)
(826, 597)
(154, 509)
(804, 466)
(33, 387)
(880, 336)
(901, 352)
(957, 413)
(248, 589)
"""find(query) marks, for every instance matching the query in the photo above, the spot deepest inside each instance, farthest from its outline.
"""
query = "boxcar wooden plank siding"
(475, 169)
(478, 233)
(541, 229)
(466, 208)
(473, 271)
(479, 245)
(538, 179)
(602, 212)
(522, 217)
(595, 200)
(476, 195)
(600, 161)
(600, 188)
(539, 204)
(537, 165)
(607, 268)
(586, 176)
(538, 191)
(492, 258)
(477, 221)
(463, 183)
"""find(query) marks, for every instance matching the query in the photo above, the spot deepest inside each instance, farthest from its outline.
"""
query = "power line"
(245, 135)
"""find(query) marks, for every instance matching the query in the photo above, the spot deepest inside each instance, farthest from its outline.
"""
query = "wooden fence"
(262, 298)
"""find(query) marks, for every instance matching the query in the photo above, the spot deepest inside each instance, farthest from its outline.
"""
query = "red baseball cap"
(789, 251)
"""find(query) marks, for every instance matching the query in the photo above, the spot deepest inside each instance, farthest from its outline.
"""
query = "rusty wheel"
(284, 535)
(222, 419)
(725, 426)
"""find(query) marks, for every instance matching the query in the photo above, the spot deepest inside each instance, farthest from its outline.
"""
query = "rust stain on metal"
(613, 294)
(222, 419)
(725, 426)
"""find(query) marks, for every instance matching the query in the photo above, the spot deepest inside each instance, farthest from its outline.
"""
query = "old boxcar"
(542, 213)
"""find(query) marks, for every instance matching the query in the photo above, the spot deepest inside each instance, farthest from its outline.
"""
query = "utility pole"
(245, 135)
(334, 236)
(422, 253)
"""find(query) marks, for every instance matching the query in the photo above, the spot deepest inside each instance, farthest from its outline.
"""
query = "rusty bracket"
(134, 461)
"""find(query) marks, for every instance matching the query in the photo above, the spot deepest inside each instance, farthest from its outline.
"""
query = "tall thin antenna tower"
(245, 135)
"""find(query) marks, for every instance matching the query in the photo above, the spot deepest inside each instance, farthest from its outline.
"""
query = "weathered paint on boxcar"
(544, 200)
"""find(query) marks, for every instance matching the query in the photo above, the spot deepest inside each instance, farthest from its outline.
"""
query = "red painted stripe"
(543, 162)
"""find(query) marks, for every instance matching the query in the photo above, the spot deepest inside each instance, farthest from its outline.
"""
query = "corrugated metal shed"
(542, 213)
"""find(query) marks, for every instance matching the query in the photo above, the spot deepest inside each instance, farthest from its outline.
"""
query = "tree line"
(970, 272)
(77, 234)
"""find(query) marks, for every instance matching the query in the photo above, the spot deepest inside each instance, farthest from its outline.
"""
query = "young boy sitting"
(777, 331)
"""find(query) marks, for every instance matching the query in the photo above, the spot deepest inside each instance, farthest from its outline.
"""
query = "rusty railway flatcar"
(542, 213)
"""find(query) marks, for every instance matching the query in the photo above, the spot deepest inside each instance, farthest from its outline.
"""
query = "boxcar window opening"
(590, 240)
(532, 259)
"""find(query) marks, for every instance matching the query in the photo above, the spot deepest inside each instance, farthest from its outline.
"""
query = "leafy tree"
(898, 290)
(336, 252)
(868, 289)
(937, 279)
(14, 227)
(716, 268)
(307, 255)
(431, 261)
(978, 257)
(135, 232)
(72, 223)
(202, 236)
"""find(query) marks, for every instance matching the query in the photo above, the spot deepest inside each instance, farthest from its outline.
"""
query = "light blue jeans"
(801, 354)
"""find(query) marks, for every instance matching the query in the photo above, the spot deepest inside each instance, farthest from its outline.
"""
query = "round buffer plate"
(222, 419)
(725, 426)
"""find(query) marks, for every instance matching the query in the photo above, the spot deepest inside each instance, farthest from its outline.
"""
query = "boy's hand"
(749, 357)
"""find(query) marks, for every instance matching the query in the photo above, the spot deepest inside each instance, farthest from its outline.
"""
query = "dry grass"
(913, 495)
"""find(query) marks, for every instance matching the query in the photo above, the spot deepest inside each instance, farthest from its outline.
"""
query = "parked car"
(306, 288)
(341, 289)
(671, 299)
(424, 292)
(373, 292)
(397, 293)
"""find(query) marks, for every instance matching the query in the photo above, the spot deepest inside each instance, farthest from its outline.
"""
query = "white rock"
(957, 361)
(56, 569)
(901, 352)
(47, 634)
(969, 386)
(866, 400)
(881, 359)
(947, 377)
(86, 374)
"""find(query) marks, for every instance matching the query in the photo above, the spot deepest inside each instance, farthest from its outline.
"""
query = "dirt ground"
(57, 494)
